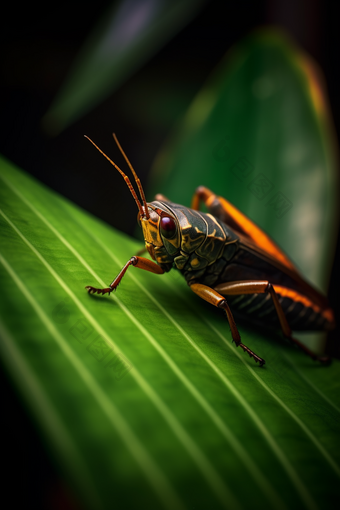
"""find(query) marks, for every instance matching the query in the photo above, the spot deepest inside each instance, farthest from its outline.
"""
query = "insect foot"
(251, 353)
(93, 290)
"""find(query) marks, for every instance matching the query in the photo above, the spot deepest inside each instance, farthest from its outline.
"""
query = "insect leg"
(220, 208)
(161, 198)
(140, 262)
(261, 287)
(225, 211)
(219, 301)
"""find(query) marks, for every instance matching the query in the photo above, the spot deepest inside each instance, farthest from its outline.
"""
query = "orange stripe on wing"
(256, 234)
(295, 296)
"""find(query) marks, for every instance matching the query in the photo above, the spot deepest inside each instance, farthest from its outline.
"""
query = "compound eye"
(138, 220)
(168, 227)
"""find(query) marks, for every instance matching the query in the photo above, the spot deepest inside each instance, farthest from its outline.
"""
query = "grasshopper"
(226, 260)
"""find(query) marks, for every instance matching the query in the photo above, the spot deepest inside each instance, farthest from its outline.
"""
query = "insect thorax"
(205, 244)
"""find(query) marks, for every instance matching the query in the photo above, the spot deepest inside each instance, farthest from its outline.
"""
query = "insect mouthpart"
(150, 227)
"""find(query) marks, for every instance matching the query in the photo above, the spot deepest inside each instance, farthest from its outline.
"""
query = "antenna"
(139, 184)
(126, 179)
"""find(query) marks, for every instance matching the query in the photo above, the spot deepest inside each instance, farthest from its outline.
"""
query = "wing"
(301, 286)
(255, 240)
(222, 209)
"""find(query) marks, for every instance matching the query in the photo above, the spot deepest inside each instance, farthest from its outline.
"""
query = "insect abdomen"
(260, 308)
(237, 264)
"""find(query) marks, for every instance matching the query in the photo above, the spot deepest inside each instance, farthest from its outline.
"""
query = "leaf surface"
(140, 395)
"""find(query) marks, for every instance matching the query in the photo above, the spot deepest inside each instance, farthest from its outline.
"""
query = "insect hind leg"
(224, 305)
(214, 298)
(262, 287)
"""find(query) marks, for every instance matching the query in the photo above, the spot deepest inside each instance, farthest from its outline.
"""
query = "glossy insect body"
(227, 260)
(209, 252)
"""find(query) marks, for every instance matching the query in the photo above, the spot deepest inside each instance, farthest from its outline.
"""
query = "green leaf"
(126, 36)
(259, 134)
(141, 396)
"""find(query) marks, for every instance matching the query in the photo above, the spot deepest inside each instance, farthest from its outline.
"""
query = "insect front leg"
(261, 287)
(213, 297)
(140, 262)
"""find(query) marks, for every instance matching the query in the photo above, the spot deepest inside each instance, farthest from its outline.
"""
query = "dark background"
(38, 45)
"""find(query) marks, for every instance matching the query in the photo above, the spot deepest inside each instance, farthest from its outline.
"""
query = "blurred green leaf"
(260, 135)
(127, 35)
(141, 396)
